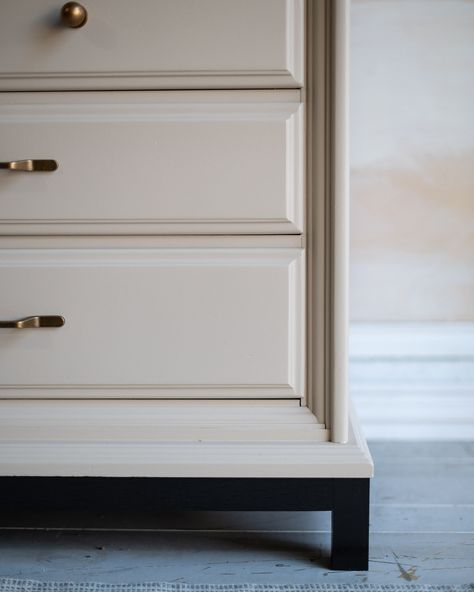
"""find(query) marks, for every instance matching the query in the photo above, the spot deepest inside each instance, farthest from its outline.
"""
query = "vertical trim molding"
(327, 174)
(340, 219)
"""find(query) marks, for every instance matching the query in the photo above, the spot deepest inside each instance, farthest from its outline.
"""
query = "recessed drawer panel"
(152, 44)
(152, 322)
(160, 162)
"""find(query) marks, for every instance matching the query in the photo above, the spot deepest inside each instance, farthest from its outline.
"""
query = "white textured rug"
(11, 585)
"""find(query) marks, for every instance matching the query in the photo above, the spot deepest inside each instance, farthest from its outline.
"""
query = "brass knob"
(73, 15)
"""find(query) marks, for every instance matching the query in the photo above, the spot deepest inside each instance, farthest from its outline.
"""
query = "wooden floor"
(422, 526)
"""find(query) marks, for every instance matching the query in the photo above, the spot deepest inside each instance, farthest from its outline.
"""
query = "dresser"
(174, 254)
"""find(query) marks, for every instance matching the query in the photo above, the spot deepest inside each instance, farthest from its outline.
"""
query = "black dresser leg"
(350, 524)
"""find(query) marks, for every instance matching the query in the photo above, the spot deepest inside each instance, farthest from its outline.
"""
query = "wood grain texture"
(412, 153)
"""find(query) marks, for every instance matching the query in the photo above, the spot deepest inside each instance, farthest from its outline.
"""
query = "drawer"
(153, 162)
(153, 44)
(157, 322)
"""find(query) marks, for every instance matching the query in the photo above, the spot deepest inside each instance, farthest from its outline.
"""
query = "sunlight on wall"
(412, 157)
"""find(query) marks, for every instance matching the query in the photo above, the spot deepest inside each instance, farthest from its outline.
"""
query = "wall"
(412, 194)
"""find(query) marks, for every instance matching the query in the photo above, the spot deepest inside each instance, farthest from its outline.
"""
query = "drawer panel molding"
(154, 323)
(153, 44)
(159, 162)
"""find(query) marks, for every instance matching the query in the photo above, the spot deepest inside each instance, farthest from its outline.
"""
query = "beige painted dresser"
(174, 241)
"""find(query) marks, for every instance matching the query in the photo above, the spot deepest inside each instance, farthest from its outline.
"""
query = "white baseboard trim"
(414, 381)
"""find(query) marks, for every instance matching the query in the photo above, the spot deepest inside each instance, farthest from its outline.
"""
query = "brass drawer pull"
(35, 322)
(30, 166)
(73, 15)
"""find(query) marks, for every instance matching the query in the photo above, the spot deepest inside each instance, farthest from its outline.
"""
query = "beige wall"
(412, 194)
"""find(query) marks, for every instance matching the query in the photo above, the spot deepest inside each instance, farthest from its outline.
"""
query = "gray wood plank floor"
(422, 524)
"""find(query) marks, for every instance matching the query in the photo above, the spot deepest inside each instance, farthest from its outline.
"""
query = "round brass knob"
(73, 15)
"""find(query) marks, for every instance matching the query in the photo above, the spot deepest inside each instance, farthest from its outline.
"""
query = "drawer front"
(153, 44)
(154, 322)
(172, 162)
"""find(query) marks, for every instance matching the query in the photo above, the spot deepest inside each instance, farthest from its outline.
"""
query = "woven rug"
(10, 585)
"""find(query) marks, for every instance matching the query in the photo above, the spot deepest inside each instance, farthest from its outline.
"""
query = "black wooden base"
(347, 499)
